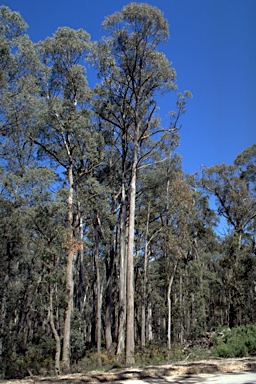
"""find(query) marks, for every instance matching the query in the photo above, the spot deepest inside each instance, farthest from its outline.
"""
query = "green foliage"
(36, 358)
(158, 354)
(77, 344)
(237, 342)
(77, 337)
(153, 354)
(91, 361)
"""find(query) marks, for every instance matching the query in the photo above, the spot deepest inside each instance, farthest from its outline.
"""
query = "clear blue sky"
(213, 49)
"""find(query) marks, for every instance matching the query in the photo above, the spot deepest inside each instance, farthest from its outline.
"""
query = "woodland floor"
(154, 372)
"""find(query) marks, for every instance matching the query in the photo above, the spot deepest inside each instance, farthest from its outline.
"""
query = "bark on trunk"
(109, 307)
(149, 323)
(81, 293)
(55, 335)
(122, 278)
(2, 317)
(181, 311)
(69, 278)
(109, 288)
(144, 291)
(130, 269)
(169, 342)
(98, 285)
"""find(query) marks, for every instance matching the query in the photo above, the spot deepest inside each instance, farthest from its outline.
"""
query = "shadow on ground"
(184, 372)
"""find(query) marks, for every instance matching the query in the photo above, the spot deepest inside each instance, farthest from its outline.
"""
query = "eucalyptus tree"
(13, 29)
(150, 226)
(246, 163)
(133, 73)
(165, 210)
(67, 137)
(176, 218)
(25, 253)
(19, 65)
(12, 248)
(246, 166)
(18, 102)
(175, 222)
(147, 228)
(234, 189)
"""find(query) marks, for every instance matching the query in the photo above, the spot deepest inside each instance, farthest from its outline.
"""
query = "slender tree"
(133, 73)
(67, 137)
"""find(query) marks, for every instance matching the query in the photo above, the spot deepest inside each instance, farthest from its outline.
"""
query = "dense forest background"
(106, 244)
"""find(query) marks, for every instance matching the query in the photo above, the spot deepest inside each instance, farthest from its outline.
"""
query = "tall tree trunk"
(122, 277)
(2, 318)
(55, 335)
(149, 322)
(108, 318)
(109, 292)
(169, 300)
(181, 311)
(130, 255)
(81, 294)
(69, 277)
(98, 287)
(144, 288)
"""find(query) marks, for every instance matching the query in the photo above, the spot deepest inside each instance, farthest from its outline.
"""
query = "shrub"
(237, 342)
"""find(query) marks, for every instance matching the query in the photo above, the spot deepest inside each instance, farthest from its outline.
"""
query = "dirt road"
(219, 378)
(218, 371)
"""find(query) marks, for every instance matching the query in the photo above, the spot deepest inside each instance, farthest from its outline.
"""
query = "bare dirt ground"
(150, 372)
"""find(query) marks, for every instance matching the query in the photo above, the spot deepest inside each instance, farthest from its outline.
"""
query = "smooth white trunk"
(130, 268)
(169, 300)
(149, 323)
(144, 290)
(98, 288)
(69, 278)
(55, 335)
(122, 278)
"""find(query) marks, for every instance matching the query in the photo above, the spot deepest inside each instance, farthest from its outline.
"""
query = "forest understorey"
(152, 371)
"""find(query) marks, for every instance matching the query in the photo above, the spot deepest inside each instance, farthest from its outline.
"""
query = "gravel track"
(169, 373)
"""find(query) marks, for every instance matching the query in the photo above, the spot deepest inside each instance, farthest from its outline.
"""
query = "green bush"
(237, 342)
(153, 354)
(35, 358)
(77, 341)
